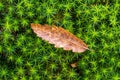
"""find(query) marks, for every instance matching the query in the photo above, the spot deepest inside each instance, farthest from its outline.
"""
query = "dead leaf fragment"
(74, 65)
(60, 37)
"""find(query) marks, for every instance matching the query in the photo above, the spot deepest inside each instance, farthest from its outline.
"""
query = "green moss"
(24, 56)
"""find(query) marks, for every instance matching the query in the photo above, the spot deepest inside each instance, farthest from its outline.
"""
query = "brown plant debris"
(60, 37)
(74, 64)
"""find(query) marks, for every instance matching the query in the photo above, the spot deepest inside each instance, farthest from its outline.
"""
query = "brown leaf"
(74, 65)
(59, 37)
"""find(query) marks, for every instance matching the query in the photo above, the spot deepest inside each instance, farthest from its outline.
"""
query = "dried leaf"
(74, 65)
(59, 37)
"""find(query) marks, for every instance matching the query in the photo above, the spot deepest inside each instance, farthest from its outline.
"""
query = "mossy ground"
(24, 56)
